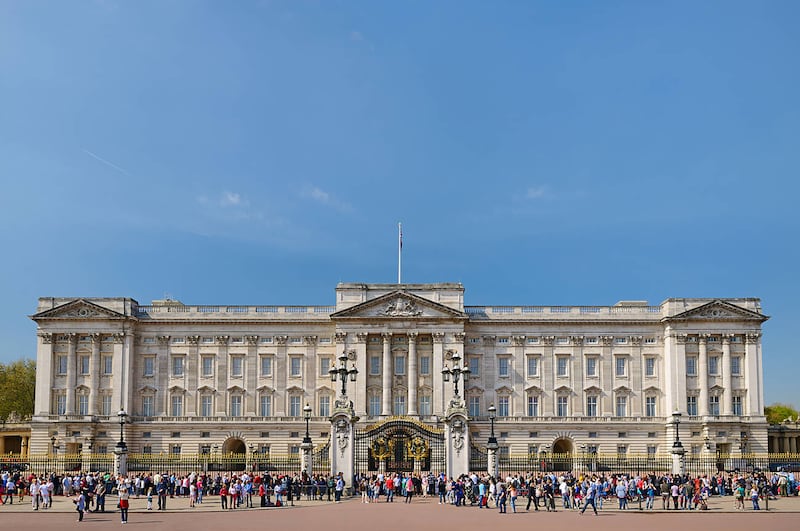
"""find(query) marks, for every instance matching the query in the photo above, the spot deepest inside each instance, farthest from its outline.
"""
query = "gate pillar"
(342, 445)
(457, 441)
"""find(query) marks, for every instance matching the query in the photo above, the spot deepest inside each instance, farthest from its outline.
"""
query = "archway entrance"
(234, 445)
(562, 446)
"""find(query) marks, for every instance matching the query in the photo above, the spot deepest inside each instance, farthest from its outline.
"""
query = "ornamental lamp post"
(307, 415)
(342, 372)
(678, 453)
(456, 372)
(121, 450)
(122, 415)
(53, 444)
(676, 419)
(492, 446)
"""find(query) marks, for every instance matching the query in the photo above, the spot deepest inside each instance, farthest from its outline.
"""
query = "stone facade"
(195, 379)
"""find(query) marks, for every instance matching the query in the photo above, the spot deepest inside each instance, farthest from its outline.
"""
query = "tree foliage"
(17, 386)
(777, 413)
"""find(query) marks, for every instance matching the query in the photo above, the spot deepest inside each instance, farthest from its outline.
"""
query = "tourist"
(123, 491)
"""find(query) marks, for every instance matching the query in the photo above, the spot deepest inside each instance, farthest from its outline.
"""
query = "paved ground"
(421, 515)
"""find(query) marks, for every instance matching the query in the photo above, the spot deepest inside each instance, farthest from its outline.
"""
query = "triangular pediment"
(718, 310)
(563, 389)
(399, 304)
(534, 390)
(505, 390)
(593, 389)
(78, 309)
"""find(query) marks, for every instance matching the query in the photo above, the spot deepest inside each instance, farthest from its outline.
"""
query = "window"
(561, 406)
(324, 406)
(265, 406)
(147, 449)
(425, 405)
(474, 405)
(474, 366)
(425, 365)
(295, 367)
(177, 366)
(208, 366)
(324, 366)
(713, 365)
(400, 404)
(502, 367)
(533, 405)
(691, 406)
(649, 366)
(149, 366)
(374, 405)
(713, 405)
(691, 365)
(105, 405)
(533, 366)
(84, 364)
(561, 366)
(591, 406)
(108, 365)
(591, 366)
(206, 406)
(502, 406)
(621, 340)
(83, 404)
(619, 366)
(294, 406)
(649, 341)
(736, 366)
(737, 405)
(175, 450)
(62, 365)
(503, 340)
(399, 365)
(622, 406)
(237, 366)
(177, 405)
(374, 365)
(266, 366)
(650, 406)
(622, 450)
(147, 406)
(236, 406)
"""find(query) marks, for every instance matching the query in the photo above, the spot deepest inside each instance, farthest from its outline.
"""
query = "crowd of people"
(545, 491)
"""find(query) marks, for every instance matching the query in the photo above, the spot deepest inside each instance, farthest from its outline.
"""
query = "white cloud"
(536, 192)
(230, 199)
(356, 36)
(321, 196)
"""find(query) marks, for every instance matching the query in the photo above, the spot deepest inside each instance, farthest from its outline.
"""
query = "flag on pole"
(400, 228)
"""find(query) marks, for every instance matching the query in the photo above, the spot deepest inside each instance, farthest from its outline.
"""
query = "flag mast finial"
(399, 252)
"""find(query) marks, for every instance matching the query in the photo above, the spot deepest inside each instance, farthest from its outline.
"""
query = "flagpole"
(399, 251)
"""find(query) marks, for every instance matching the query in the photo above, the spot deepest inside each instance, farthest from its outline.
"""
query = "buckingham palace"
(600, 378)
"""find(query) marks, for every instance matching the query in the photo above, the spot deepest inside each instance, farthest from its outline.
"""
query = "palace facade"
(199, 379)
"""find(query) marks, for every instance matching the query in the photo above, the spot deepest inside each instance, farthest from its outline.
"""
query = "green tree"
(17, 385)
(777, 413)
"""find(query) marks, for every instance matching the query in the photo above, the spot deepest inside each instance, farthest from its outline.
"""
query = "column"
(727, 392)
(360, 399)
(127, 376)
(311, 371)
(576, 376)
(386, 398)
(413, 380)
(518, 376)
(44, 372)
(192, 372)
(751, 403)
(117, 396)
(437, 382)
(702, 372)
(251, 377)
(94, 370)
(221, 398)
(162, 369)
(606, 405)
(72, 370)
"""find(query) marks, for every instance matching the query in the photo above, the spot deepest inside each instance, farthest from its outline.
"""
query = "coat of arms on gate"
(382, 448)
(417, 447)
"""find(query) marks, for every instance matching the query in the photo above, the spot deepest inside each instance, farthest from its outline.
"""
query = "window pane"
(208, 366)
(591, 366)
(561, 409)
(474, 366)
(324, 406)
(205, 406)
(533, 366)
(713, 365)
(400, 405)
(265, 406)
(147, 406)
(294, 406)
(474, 406)
(236, 406)
(502, 406)
(295, 367)
(374, 405)
(399, 365)
(620, 371)
(649, 366)
(424, 405)
(503, 367)
(149, 366)
(324, 366)
(691, 365)
(533, 406)
(691, 406)
(375, 365)
(236, 366)
(425, 365)
(591, 406)
(561, 367)
(622, 406)
(108, 366)
(736, 366)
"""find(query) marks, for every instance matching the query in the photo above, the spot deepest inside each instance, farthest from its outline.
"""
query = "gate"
(399, 445)
(321, 459)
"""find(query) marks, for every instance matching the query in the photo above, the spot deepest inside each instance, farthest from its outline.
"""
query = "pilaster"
(413, 380)
(94, 371)
(437, 382)
(386, 372)
(281, 371)
(727, 392)
(72, 372)
(44, 373)
(702, 370)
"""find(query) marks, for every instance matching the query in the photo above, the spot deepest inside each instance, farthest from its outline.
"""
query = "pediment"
(399, 304)
(294, 389)
(534, 390)
(505, 390)
(718, 310)
(265, 389)
(622, 390)
(235, 389)
(563, 389)
(177, 389)
(206, 389)
(592, 389)
(78, 309)
(147, 389)
(652, 389)
(474, 390)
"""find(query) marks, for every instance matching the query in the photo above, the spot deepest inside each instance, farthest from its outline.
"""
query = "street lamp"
(583, 455)
(743, 443)
(676, 418)
(307, 415)
(456, 372)
(342, 372)
(122, 416)
(492, 416)
(53, 444)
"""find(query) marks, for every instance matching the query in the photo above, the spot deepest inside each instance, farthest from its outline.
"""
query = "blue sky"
(539, 152)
